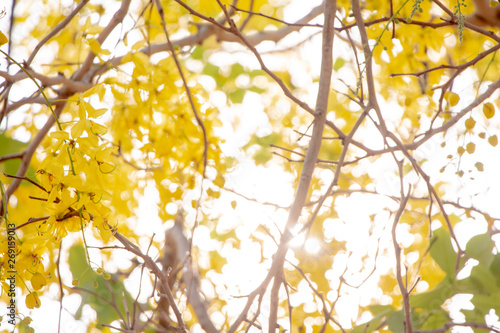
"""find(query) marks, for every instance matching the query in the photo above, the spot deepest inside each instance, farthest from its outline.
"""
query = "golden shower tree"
(380, 115)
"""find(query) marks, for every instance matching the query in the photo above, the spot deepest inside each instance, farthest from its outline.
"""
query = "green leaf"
(377, 309)
(98, 297)
(380, 312)
(197, 53)
(264, 141)
(256, 89)
(339, 63)
(214, 71)
(257, 72)
(262, 156)
(484, 303)
(237, 95)
(495, 267)
(436, 318)
(442, 251)
(236, 70)
(482, 280)
(396, 322)
(480, 247)
(473, 315)
(433, 299)
(10, 146)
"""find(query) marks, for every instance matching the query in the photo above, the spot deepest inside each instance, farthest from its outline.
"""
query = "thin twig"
(276, 19)
(155, 270)
(56, 30)
(199, 121)
(11, 157)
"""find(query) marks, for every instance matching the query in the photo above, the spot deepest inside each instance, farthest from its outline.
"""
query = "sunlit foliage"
(218, 166)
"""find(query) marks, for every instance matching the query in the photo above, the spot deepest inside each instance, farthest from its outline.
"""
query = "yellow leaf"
(96, 47)
(470, 123)
(453, 99)
(488, 110)
(127, 58)
(33, 301)
(493, 140)
(38, 280)
(139, 44)
(471, 147)
(3, 39)
(219, 180)
(94, 30)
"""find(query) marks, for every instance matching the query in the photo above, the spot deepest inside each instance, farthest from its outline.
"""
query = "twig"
(56, 30)
(336, 176)
(446, 327)
(28, 154)
(312, 152)
(126, 161)
(199, 121)
(254, 200)
(112, 304)
(11, 157)
(28, 180)
(155, 270)
(397, 250)
(276, 19)
(326, 312)
(115, 20)
(61, 291)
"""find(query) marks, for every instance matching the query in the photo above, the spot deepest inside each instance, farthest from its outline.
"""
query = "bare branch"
(115, 20)
(312, 151)
(56, 30)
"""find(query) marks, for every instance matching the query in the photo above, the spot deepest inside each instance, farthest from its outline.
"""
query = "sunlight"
(312, 246)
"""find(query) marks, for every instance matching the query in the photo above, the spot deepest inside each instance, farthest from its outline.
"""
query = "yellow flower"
(33, 301)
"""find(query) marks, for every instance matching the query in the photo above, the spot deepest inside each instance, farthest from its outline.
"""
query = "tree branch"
(312, 151)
